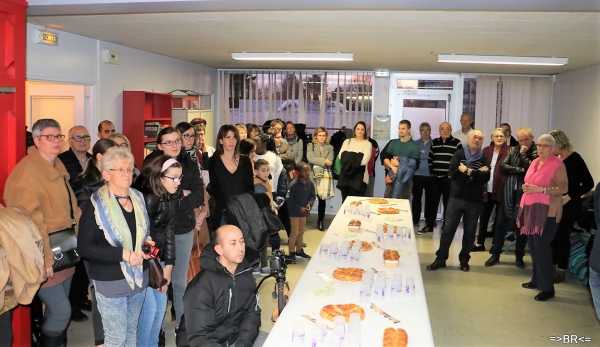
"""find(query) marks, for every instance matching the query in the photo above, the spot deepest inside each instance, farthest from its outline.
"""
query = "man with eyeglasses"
(77, 155)
(514, 167)
(105, 129)
(469, 170)
(75, 159)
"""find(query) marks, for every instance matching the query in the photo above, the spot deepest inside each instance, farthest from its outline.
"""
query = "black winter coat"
(352, 173)
(221, 308)
(162, 222)
(86, 186)
(186, 219)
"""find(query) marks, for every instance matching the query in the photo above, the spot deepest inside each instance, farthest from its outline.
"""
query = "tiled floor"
(484, 307)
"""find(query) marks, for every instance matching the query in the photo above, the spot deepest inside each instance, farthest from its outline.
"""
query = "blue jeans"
(183, 250)
(120, 318)
(595, 288)
(469, 211)
(153, 313)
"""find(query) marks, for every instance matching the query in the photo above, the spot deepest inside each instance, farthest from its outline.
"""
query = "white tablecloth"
(313, 292)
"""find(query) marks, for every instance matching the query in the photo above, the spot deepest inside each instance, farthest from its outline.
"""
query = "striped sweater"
(440, 154)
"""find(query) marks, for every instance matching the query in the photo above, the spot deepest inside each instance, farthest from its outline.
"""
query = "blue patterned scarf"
(111, 221)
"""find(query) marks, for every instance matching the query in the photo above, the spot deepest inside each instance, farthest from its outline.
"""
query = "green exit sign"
(46, 38)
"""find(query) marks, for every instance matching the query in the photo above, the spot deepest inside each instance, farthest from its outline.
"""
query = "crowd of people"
(119, 211)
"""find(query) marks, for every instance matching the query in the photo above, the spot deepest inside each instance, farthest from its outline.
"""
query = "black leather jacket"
(161, 214)
(509, 167)
(186, 219)
(86, 186)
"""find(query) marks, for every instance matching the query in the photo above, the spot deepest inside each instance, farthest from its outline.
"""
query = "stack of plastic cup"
(355, 255)
(333, 251)
(324, 250)
(396, 287)
(344, 251)
(298, 335)
(354, 332)
(379, 233)
(409, 287)
(322, 326)
(365, 290)
(339, 327)
(369, 274)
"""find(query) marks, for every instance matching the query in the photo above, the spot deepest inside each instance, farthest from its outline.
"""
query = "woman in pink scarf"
(539, 213)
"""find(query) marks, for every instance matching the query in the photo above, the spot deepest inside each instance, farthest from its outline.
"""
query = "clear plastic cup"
(322, 326)
(339, 320)
(340, 330)
(344, 250)
(368, 275)
(409, 287)
(396, 287)
(353, 339)
(365, 292)
(324, 249)
(333, 251)
(354, 319)
(298, 334)
(379, 233)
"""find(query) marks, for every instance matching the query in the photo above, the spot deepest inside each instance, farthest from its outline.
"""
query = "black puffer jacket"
(186, 219)
(86, 186)
(162, 223)
(221, 308)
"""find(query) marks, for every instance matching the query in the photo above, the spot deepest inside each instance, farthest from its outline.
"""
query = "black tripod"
(282, 288)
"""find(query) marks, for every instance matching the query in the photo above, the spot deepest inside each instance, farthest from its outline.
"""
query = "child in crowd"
(262, 185)
(300, 199)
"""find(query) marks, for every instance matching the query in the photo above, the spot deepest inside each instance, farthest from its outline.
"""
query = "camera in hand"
(150, 250)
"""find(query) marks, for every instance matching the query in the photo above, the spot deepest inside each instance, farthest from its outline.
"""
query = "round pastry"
(330, 311)
(355, 203)
(348, 274)
(395, 337)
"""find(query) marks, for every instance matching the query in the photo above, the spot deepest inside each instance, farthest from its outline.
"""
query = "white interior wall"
(576, 111)
(78, 59)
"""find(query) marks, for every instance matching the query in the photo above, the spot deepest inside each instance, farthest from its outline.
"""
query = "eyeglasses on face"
(175, 179)
(171, 143)
(543, 146)
(122, 171)
(78, 138)
(188, 136)
(52, 138)
(499, 136)
(123, 145)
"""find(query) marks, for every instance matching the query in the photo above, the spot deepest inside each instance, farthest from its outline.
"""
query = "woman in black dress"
(580, 182)
(230, 173)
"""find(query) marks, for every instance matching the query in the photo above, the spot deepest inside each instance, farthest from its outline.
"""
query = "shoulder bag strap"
(70, 202)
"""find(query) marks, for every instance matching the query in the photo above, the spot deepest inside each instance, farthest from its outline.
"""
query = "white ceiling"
(396, 40)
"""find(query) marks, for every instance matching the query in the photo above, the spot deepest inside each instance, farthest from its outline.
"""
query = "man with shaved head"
(440, 154)
(75, 159)
(469, 171)
(466, 121)
(220, 306)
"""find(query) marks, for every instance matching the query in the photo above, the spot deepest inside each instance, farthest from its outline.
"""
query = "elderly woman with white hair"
(540, 212)
(114, 226)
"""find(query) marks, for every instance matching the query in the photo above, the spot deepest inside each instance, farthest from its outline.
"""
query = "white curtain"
(485, 104)
(526, 102)
(330, 99)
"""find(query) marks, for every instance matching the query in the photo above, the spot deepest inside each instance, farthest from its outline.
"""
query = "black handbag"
(64, 243)
(274, 225)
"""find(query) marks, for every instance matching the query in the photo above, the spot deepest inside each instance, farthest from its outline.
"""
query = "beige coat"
(39, 188)
(21, 258)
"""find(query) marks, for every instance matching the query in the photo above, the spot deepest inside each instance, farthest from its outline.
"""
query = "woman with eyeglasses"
(230, 172)
(580, 182)
(123, 142)
(540, 211)
(497, 152)
(162, 175)
(89, 181)
(39, 184)
(169, 143)
(114, 227)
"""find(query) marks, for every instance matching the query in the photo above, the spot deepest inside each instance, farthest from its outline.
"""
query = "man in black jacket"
(75, 159)
(220, 305)
(469, 171)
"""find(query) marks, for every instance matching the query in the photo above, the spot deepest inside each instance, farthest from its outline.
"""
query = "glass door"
(432, 109)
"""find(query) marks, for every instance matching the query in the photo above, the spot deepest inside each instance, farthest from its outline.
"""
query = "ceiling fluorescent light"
(501, 59)
(294, 56)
